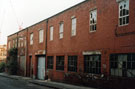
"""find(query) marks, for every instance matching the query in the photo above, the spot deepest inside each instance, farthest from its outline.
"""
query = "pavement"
(46, 83)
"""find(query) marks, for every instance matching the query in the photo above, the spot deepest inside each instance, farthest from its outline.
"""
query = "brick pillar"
(80, 63)
(34, 66)
(66, 64)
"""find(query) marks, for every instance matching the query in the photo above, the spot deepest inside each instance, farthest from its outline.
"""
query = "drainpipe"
(17, 52)
(46, 43)
(26, 51)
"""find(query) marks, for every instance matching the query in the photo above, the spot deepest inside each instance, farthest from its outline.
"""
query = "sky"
(24, 13)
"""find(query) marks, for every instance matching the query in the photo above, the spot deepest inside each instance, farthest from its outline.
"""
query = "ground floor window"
(92, 64)
(72, 63)
(60, 63)
(50, 62)
(122, 65)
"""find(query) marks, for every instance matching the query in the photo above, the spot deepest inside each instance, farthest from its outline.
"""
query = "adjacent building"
(3, 53)
(93, 37)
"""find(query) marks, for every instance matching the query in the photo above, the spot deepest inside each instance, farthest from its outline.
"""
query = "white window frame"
(51, 33)
(73, 28)
(41, 35)
(31, 38)
(61, 28)
(121, 4)
(93, 25)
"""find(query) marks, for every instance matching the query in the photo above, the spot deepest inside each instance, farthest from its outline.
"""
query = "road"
(7, 83)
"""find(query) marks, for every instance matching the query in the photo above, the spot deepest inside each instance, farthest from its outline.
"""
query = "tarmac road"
(7, 83)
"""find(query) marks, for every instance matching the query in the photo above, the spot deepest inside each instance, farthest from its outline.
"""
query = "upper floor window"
(22, 44)
(61, 30)
(93, 20)
(9, 45)
(16, 42)
(51, 33)
(41, 36)
(31, 38)
(73, 31)
(124, 12)
(13, 43)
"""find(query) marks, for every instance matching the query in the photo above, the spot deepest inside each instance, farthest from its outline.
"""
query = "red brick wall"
(37, 48)
(108, 38)
(10, 39)
(104, 39)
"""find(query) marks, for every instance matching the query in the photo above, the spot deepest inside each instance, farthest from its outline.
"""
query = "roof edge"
(50, 17)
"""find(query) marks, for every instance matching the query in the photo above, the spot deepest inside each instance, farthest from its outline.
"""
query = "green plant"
(12, 65)
(2, 66)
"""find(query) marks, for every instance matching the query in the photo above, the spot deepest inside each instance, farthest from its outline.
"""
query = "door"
(41, 68)
(30, 67)
(22, 65)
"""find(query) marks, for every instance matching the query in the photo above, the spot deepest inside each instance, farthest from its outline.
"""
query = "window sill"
(60, 70)
(93, 31)
(72, 71)
(60, 38)
(123, 25)
(50, 40)
(40, 42)
(73, 35)
(49, 69)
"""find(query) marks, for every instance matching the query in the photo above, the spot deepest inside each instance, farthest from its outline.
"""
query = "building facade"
(93, 37)
(3, 53)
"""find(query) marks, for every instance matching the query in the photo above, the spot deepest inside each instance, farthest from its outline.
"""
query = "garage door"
(41, 68)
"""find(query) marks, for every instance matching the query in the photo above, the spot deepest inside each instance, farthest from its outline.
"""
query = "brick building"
(93, 37)
(3, 53)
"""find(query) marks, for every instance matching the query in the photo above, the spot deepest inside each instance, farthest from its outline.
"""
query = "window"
(13, 43)
(122, 65)
(60, 63)
(51, 33)
(93, 20)
(18, 43)
(92, 64)
(50, 62)
(73, 31)
(21, 43)
(25, 43)
(61, 30)
(124, 12)
(31, 38)
(41, 36)
(9, 45)
(72, 63)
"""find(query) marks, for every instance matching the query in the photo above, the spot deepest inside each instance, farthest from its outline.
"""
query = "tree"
(12, 64)
(2, 66)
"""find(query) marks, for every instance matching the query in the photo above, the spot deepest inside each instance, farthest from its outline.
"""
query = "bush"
(12, 65)
(2, 67)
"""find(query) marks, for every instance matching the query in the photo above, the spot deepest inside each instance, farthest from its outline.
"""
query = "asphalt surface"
(7, 83)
